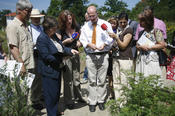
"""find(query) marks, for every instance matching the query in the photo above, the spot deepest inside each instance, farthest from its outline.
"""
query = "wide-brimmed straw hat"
(36, 13)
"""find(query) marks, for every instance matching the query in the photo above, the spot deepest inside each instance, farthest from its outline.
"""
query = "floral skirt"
(171, 70)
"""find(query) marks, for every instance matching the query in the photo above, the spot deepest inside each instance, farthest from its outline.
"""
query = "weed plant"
(145, 96)
(14, 97)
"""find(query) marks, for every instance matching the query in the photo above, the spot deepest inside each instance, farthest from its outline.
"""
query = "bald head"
(91, 9)
(92, 13)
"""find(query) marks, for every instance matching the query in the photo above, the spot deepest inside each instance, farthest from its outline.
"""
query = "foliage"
(144, 97)
(165, 10)
(3, 40)
(170, 26)
(14, 98)
(140, 6)
(113, 8)
(77, 7)
(136, 10)
(55, 8)
(3, 18)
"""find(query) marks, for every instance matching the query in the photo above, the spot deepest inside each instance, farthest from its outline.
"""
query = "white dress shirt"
(102, 36)
(35, 32)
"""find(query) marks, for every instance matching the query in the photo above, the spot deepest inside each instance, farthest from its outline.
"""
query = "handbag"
(163, 57)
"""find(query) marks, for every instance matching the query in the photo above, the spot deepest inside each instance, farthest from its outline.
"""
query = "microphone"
(104, 27)
(75, 35)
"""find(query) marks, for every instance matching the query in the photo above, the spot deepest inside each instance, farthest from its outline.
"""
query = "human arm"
(16, 54)
(160, 43)
(13, 44)
(67, 41)
(46, 49)
(126, 40)
(58, 36)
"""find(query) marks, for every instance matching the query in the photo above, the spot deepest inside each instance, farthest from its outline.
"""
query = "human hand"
(69, 40)
(101, 47)
(92, 46)
(145, 47)
(23, 70)
(79, 44)
(113, 35)
(73, 51)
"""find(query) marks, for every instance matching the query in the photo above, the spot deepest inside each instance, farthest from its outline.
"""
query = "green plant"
(144, 97)
(3, 38)
(14, 97)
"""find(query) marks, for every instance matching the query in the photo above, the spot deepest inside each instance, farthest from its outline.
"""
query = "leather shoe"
(60, 113)
(70, 106)
(92, 108)
(81, 100)
(38, 106)
(101, 106)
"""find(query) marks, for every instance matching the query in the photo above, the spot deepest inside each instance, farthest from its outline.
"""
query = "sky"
(43, 4)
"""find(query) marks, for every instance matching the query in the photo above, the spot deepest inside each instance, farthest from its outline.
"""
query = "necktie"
(94, 34)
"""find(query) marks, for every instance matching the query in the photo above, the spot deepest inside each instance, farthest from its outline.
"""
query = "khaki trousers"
(97, 66)
(119, 76)
(71, 77)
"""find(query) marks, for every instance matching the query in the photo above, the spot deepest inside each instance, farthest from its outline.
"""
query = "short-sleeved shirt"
(156, 35)
(158, 24)
(127, 52)
(19, 36)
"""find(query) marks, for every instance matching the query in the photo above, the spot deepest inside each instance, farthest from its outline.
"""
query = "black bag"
(163, 58)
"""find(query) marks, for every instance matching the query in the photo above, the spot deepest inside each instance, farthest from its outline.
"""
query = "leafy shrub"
(14, 98)
(144, 97)
(170, 26)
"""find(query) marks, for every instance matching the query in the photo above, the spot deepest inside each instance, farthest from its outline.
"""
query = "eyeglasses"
(124, 22)
(28, 10)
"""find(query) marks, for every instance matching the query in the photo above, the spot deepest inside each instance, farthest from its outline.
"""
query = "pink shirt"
(158, 24)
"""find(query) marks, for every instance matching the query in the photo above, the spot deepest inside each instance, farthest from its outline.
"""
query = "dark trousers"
(85, 76)
(51, 89)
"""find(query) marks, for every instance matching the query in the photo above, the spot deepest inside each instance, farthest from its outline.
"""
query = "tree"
(140, 6)
(77, 7)
(3, 17)
(55, 8)
(113, 8)
(165, 10)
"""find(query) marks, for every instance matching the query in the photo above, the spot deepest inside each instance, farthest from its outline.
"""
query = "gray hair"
(23, 4)
(49, 22)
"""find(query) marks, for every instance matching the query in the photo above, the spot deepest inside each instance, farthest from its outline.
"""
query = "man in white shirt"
(97, 43)
(35, 29)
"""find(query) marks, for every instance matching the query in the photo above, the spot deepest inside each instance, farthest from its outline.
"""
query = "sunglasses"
(124, 22)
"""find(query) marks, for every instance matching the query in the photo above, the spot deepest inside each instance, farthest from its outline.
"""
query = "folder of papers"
(11, 68)
(145, 39)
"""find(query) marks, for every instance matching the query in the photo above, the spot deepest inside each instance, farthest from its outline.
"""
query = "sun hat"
(36, 13)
